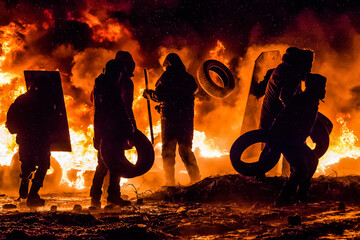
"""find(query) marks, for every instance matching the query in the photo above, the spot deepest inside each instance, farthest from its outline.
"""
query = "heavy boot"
(286, 196)
(188, 157)
(34, 199)
(114, 196)
(169, 171)
(95, 202)
(96, 188)
(117, 200)
(303, 192)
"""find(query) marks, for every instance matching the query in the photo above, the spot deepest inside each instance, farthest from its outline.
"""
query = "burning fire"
(108, 36)
(342, 146)
(218, 53)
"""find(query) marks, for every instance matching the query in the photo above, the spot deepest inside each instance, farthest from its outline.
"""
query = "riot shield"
(251, 121)
(59, 137)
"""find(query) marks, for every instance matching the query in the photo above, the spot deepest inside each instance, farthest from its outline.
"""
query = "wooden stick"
(149, 109)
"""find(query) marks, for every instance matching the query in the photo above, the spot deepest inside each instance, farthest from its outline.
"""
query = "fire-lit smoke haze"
(77, 38)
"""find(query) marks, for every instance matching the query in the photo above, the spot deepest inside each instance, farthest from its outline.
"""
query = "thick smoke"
(79, 37)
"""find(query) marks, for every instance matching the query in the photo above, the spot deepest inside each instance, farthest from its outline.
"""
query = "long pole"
(149, 108)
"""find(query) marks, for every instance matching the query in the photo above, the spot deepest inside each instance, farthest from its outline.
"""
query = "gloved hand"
(146, 94)
(149, 94)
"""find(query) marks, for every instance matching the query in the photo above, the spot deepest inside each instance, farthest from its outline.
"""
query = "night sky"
(177, 23)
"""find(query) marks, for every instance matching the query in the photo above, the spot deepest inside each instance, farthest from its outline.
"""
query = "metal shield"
(59, 137)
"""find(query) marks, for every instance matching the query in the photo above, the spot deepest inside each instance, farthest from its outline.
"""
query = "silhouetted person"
(288, 134)
(30, 117)
(175, 90)
(284, 83)
(114, 124)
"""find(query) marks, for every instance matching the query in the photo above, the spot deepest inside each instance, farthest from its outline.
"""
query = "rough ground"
(224, 207)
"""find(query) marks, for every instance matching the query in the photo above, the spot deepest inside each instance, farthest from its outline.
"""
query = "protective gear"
(175, 90)
(34, 199)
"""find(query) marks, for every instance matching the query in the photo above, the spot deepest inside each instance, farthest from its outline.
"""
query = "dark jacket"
(114, 117)
(295, 122)
(175, 90)
(30, 117)
(284, 83)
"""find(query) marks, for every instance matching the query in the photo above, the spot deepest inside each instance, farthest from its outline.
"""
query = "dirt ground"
(224, 207)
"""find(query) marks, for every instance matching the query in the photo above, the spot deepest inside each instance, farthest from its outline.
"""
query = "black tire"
(320, 135)
(145, 161)
(242, 143)
(209, 86)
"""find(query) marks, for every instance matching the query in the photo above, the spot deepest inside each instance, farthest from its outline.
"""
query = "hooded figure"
(288, 134)
(30, 117)
(114, 124)
(175, 90)
(284, 83)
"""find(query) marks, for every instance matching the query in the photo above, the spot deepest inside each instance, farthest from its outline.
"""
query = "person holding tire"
(288, 135)
(114, 124)
(175, 90)
(284, 83)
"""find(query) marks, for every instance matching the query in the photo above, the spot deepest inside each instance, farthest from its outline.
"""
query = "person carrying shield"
(31, 118)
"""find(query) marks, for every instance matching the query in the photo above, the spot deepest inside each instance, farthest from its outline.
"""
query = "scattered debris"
(9, 206)
(77, 208)
(225, 207)
(294, 220)
(341, 206)
(53, 208)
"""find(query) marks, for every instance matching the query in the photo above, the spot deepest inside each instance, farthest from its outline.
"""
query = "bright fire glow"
(8, 146)
(207, 147)
(343, 147)
(84, 155)
(218, 53)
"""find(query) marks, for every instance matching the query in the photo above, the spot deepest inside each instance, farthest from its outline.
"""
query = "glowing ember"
(344, 146)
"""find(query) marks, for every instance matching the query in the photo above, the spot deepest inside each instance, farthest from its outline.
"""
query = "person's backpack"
(12, 119)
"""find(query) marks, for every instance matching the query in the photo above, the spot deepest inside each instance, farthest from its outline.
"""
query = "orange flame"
(218, 53)
(343, 147)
